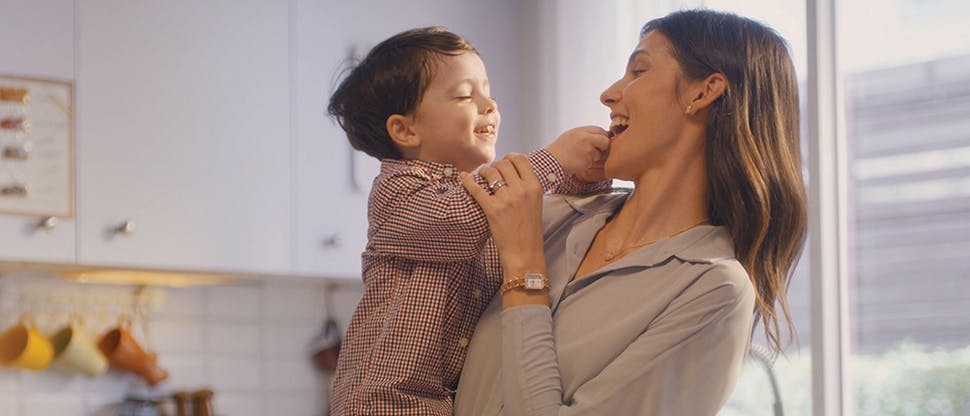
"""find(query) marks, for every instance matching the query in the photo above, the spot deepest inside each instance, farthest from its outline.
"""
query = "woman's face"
(647, 109)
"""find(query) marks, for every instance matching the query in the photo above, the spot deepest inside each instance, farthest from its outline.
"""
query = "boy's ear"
(402, 134)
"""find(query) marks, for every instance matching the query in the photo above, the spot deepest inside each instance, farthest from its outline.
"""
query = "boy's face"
(457, 121)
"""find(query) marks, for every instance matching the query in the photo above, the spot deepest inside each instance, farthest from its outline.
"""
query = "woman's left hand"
(513, 207)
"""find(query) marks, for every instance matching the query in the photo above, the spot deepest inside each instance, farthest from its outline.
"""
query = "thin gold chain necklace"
(610, 255)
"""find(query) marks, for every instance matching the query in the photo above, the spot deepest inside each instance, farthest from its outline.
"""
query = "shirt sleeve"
(685, 363)
(573, 186)
(422, 217)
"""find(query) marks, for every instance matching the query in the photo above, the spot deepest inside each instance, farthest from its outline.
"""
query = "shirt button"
(551, 177)
(463, 342)
(448, 172)
(477, 293)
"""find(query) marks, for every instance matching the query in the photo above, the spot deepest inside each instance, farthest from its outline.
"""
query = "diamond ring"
(496, 185)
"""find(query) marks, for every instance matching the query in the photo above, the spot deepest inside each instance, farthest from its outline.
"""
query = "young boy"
(420, 102)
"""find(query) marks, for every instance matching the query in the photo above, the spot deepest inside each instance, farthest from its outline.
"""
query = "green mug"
(75, 352)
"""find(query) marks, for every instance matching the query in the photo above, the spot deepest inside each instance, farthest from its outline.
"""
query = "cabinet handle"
(126, 227)
(18, 190)
(332, 242)
(47, 223)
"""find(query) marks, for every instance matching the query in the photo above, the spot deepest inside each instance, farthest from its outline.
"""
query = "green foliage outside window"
(907, 380)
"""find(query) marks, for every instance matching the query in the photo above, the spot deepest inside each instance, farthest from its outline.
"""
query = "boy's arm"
(575, 186)
(581, 153)
(426, 217)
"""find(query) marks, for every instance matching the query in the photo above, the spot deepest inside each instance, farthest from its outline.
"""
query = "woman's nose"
(611, 95)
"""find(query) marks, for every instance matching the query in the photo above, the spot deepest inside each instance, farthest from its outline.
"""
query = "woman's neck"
(665, 202)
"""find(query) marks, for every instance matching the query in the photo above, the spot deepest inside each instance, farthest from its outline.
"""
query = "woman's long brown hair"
(752, 147)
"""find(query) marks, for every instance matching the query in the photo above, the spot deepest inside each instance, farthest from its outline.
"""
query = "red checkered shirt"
(429, 271)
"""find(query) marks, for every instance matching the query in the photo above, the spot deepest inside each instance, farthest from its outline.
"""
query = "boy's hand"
(581, 151)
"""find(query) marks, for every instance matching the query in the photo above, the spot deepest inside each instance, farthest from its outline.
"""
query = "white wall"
(492, 27)
(573, 50)
(248, 342)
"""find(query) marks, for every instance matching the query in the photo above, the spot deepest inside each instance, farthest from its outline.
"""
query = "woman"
(652, 294)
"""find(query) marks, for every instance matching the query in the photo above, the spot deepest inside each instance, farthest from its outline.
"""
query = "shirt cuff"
(547, 168)
(574, 186)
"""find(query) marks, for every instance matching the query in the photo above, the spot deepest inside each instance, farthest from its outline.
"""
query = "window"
(905, 71)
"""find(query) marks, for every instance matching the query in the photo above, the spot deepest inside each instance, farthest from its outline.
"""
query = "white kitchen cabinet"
(38, 42)
(332, 182)
(183, 133)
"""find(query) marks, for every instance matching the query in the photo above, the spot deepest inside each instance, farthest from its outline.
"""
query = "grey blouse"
(661, 331)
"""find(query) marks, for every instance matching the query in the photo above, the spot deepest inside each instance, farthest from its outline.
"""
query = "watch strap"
(529, 282)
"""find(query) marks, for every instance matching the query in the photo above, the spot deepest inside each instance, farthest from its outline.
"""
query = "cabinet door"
(332, 182)
(183, 133)
(37, 41)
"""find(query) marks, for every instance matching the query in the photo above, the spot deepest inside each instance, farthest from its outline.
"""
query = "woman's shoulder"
(712, 255)
(730, 274)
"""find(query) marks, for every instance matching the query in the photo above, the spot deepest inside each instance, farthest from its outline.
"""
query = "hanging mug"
(75, 352)
(325, 347)
(124, 353)
(22, 346)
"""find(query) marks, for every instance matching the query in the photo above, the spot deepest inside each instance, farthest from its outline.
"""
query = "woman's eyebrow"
(634, 55)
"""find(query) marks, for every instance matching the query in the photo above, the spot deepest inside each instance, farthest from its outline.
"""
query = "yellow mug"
(23, 346)
(74, 351)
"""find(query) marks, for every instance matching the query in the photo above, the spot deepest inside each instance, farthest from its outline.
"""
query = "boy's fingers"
(600, 141)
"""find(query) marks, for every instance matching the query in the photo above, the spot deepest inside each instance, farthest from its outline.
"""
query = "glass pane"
(790, 374)
(905, 69)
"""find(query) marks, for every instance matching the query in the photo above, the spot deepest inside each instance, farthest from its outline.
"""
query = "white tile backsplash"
(184, 372)
(248, 343)
(290, 376)
(8, 381)
(63, 404)
(187, 302)
(288, 341)
(233, 339)
(234, 374)
(8, 405)
(233, 303)
(176, 337)
(239, 405)
(291, 404)
(49, 382)
(291, 303)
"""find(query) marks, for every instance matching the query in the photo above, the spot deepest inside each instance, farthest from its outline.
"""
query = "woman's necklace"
(611, 254)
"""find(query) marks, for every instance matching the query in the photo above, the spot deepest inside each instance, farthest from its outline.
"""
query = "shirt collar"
(432, 169)
(701, 244)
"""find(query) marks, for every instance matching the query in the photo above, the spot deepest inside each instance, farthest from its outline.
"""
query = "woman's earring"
(689, 108)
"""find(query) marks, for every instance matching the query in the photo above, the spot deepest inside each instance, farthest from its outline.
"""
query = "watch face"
(533, 282)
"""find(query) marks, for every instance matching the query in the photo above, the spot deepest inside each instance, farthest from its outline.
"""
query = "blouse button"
(448, 172)
(477, 293)
(463, 342)
(551, 177)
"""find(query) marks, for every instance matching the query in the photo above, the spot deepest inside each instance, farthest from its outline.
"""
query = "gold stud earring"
(689, 108)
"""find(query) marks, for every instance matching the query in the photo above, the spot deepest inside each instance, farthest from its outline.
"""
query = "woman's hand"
(513, 207)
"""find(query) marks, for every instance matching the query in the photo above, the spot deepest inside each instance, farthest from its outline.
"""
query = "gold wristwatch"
(530, 282)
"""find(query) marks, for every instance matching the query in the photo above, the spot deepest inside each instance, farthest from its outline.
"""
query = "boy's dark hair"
(390, 80)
